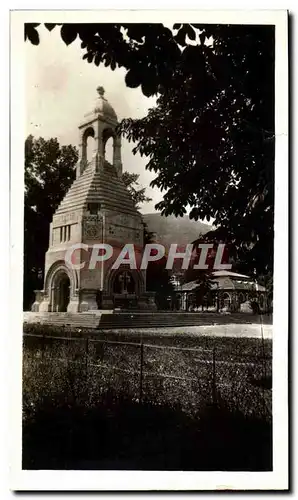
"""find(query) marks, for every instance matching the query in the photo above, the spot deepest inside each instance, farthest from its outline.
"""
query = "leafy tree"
(137, 193)
(204, 279)
(49, 172)
(203, 291)
(159, 281)
(210, 139)
(139, 197)
(267, 281)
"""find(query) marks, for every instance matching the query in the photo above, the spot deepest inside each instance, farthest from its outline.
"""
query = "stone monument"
(97, 209)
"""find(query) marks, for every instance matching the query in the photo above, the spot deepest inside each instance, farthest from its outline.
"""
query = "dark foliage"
(159, 281)
(210, 139)
(122, 434)
(137, 193)
(49, 172)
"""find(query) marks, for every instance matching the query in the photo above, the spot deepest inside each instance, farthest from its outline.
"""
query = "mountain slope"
(171, 229)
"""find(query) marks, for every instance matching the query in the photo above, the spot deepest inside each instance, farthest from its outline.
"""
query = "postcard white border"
(154, 480)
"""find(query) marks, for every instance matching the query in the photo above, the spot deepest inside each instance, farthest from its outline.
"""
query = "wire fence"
(188, 376)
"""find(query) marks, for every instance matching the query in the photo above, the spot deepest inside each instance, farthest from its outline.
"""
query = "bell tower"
(97, 208)
(100, 124)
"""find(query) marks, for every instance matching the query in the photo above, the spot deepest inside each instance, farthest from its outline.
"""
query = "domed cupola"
(103, 107)
(101, 124)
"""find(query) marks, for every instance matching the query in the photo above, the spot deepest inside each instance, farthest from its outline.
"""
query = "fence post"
(141, 371)
(264, 367)
(42, 346)
(86, 357)
(213, 377)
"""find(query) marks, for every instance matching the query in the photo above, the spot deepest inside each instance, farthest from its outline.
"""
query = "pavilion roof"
(227, 284)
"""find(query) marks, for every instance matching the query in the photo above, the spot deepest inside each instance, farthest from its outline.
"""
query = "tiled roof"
(104, 187)
(187, 287)
(229, 273)
(228, 284)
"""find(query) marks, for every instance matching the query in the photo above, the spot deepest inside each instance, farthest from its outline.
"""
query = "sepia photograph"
(149, 180)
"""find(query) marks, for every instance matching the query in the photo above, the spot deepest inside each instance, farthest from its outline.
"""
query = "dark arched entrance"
(61, 292)
(64, 293)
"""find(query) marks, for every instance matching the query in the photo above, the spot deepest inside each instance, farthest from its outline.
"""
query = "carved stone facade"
(97, 209)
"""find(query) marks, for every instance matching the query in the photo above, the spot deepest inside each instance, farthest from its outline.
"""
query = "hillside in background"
(171, 229)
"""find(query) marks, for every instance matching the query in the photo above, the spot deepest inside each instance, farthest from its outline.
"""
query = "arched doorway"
(64, 293)
(61, 292)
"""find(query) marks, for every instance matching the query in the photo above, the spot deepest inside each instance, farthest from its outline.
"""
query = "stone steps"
(64, 319)
(159, 320)
(135, 320)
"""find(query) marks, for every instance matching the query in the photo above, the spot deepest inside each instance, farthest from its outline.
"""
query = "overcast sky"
(61, 88)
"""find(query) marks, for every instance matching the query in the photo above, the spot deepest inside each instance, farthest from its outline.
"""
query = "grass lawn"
(195, 404)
